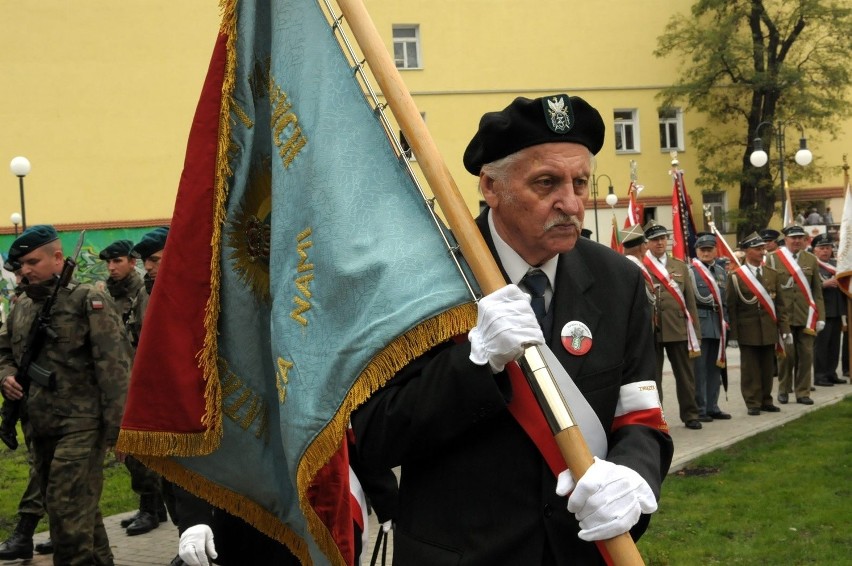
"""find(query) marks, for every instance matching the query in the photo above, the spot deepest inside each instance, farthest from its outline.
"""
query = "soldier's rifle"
(28, 369)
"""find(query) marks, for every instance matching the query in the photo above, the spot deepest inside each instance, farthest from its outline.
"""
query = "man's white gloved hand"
(196, 546)
(387, 525)
(820, 326)
(607, 500)
(788, 338)
(505, 326)
(733, 344)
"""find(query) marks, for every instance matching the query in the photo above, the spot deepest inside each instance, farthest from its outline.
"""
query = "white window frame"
(669, 123)
(403, 45)
(623, 125)
(718, 205)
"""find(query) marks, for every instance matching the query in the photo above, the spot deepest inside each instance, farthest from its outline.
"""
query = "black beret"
(822, 240)
(769, 235)
(151, 243)
(654, 230)
(32, 238)
(528, 122)
(753, 240)
(12, 266)
(705, 240)
(794, 230)
(119, 248)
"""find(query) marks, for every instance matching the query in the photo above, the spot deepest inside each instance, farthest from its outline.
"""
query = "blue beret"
(151, 243)
(119, 248)
(528, 122)
(31, 239)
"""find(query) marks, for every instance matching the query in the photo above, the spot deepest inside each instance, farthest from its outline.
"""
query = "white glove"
(788, 339)
(820, 326)
(387, 525)
(608, 500)
(505, 326)
(733, 344)
(196, 546)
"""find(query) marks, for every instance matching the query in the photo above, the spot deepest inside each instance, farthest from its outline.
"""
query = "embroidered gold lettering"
(281, 378)
(302, 282)
(256, 411)
(286, 131)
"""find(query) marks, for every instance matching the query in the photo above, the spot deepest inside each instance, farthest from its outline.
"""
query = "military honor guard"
(801, 286)
(634, 244)
(771, 237)
(677, 332)
(758, 324)
(827, 343)
(709, 282)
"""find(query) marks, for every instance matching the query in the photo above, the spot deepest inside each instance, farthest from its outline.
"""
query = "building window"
(626, 131)
(671, 129)
(406, 46)
(715, 202)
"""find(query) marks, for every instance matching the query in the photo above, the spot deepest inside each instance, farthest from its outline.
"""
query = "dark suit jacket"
(474, 488)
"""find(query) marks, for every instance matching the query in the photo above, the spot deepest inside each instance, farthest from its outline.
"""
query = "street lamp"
(595, 199)
(20, 167)
(16, 219)
(759, 157)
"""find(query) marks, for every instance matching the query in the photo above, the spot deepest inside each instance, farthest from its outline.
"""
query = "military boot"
(146, 521)
(129, 521)
(45, 547)
(20, 544)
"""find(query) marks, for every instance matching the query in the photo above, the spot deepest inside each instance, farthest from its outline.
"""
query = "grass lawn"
(781, 497)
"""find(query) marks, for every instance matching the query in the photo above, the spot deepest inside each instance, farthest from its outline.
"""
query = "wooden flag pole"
(568, 437)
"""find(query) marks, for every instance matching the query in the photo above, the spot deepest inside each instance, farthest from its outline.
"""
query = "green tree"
(746, 62)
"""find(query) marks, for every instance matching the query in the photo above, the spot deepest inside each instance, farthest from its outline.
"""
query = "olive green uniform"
(73, 425)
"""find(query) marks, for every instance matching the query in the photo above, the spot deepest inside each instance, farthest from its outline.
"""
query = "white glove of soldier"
(733, 344)
(608, 499)
(387, 525)
(788, 338)
(196, 546)
(820, 326)
(505, 326)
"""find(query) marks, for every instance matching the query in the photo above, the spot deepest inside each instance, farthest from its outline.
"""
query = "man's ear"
(488, 190)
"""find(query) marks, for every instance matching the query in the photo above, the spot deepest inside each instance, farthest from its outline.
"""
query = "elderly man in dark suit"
(476, 487)
(827, 343)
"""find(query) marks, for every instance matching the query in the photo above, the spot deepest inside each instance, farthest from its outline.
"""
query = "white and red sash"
(643, 269)
(660, 272)
(792, 267)
(827, 266)
(710, 281)
(762, 296)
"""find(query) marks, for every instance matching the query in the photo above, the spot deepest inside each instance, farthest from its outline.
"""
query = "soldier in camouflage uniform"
(74, 420)
(19, 545)
(127, 289)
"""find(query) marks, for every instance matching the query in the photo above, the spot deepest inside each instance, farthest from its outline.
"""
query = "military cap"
(151, 243)
(586, 233)
(31, 239)
(528, 122)
(654, 230)
(793, 230)
(822, 240)
(119, 248)
(753, 240)
(769, 235)
(633, 236)
(705, 240)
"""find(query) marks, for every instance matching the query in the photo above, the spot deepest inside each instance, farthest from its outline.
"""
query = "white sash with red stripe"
(662, 274)
(643, 269)
(762, 295)
(792, 267)
(710, 281)
(827, 266)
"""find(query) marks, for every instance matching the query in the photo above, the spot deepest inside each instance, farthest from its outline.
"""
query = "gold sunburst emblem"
(248, 232)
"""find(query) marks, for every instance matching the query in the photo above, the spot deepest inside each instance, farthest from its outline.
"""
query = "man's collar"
(514, 265)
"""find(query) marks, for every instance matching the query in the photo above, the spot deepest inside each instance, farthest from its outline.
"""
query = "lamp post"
(595, 199)
(16, 219)
(759, 157)
(20, 167)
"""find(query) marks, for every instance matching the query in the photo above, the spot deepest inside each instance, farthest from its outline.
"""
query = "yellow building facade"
(100, 95)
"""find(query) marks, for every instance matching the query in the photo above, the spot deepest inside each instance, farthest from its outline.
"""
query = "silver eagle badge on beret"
(558, 113)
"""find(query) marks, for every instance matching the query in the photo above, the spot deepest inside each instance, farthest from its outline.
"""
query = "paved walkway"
(160, 546)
